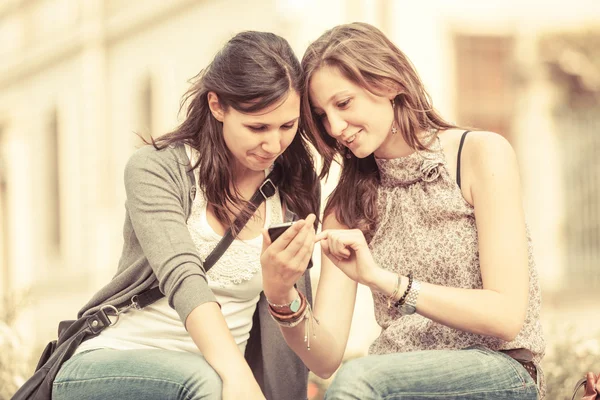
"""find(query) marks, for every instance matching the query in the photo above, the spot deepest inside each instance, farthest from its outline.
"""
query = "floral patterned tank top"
(426, 227)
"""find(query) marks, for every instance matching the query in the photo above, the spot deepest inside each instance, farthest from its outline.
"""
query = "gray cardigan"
(158, 249)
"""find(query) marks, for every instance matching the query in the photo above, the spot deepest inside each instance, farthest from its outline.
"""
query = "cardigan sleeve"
(155, 184)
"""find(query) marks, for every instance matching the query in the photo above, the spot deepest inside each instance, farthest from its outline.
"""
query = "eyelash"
(257, 128)
(342, 105)
(263, 128)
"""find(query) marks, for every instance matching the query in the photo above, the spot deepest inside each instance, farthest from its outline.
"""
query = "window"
(484, 82)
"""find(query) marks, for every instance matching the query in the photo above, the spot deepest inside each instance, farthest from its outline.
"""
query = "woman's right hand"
(348, 250)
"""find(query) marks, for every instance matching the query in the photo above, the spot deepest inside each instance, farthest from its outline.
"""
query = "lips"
(265, 159)
(351, 139)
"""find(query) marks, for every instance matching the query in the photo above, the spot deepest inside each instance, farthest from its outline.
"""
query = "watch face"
(295, 305)
(407, 309)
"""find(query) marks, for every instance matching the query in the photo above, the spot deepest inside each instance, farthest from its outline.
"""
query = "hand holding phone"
(277, 230)
(284, 261)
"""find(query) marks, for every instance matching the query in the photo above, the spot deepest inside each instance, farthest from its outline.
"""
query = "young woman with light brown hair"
(430, 218)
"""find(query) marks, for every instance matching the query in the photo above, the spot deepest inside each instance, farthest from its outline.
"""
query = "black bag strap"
(460, 147)
(264, 191)
(73, 333)
(582, 382)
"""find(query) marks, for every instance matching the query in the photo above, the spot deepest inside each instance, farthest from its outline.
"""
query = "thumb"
(327, 252)
(324, 246)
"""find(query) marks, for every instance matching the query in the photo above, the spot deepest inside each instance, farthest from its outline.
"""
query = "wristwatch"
(289, 308)
(410, 304)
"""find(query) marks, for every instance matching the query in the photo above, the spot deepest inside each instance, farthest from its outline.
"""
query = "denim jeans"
(472, 373)
(136, 374)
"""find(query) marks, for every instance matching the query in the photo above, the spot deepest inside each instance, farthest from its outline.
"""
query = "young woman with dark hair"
(183, 192)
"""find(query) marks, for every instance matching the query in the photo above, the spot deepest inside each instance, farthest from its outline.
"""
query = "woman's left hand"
(348, 250)
(285, 260)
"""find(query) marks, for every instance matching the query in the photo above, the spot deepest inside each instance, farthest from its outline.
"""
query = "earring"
(348, 155)
(394, 130)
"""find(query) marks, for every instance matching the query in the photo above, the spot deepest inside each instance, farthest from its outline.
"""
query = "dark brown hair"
(365, 56)
(254, 70)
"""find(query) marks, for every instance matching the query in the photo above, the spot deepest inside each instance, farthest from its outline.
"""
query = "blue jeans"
(136, 374)
(472, 373)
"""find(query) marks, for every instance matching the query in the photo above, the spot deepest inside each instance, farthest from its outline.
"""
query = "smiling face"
(355, 117)
(256, 139)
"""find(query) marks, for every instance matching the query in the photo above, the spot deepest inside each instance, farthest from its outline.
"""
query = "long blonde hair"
(365, 56)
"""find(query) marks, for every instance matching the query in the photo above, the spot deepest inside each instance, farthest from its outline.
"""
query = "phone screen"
(276, 230)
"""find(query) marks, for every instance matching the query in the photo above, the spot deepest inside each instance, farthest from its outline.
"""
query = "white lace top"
(236, 281)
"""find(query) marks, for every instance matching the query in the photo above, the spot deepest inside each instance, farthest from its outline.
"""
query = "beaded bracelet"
(303, 314)
(395, 292)
(403, 298)
(292, 322)
(290, 318)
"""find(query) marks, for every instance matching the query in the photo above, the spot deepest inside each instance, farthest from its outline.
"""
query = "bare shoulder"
(484, 150)
(474, 140)
(450, 141)
(484, 154)
(492, 167)
(450, 138)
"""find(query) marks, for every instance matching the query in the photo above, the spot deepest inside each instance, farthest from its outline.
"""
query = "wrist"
(382, 281)
(233, 375)
(282, 298)
(408, 302)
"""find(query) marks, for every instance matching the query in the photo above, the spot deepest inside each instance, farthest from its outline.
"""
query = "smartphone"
(277, 229)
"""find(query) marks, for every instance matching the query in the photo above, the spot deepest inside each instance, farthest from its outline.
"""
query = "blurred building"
(79, 79)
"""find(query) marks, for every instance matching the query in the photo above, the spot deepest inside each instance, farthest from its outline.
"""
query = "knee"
(354, 380)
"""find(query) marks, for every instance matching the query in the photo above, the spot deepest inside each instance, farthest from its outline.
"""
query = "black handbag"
(72, 333)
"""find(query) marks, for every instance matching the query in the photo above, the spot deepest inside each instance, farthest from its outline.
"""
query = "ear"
(391, 94)
(215, 107)
(391, 90)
